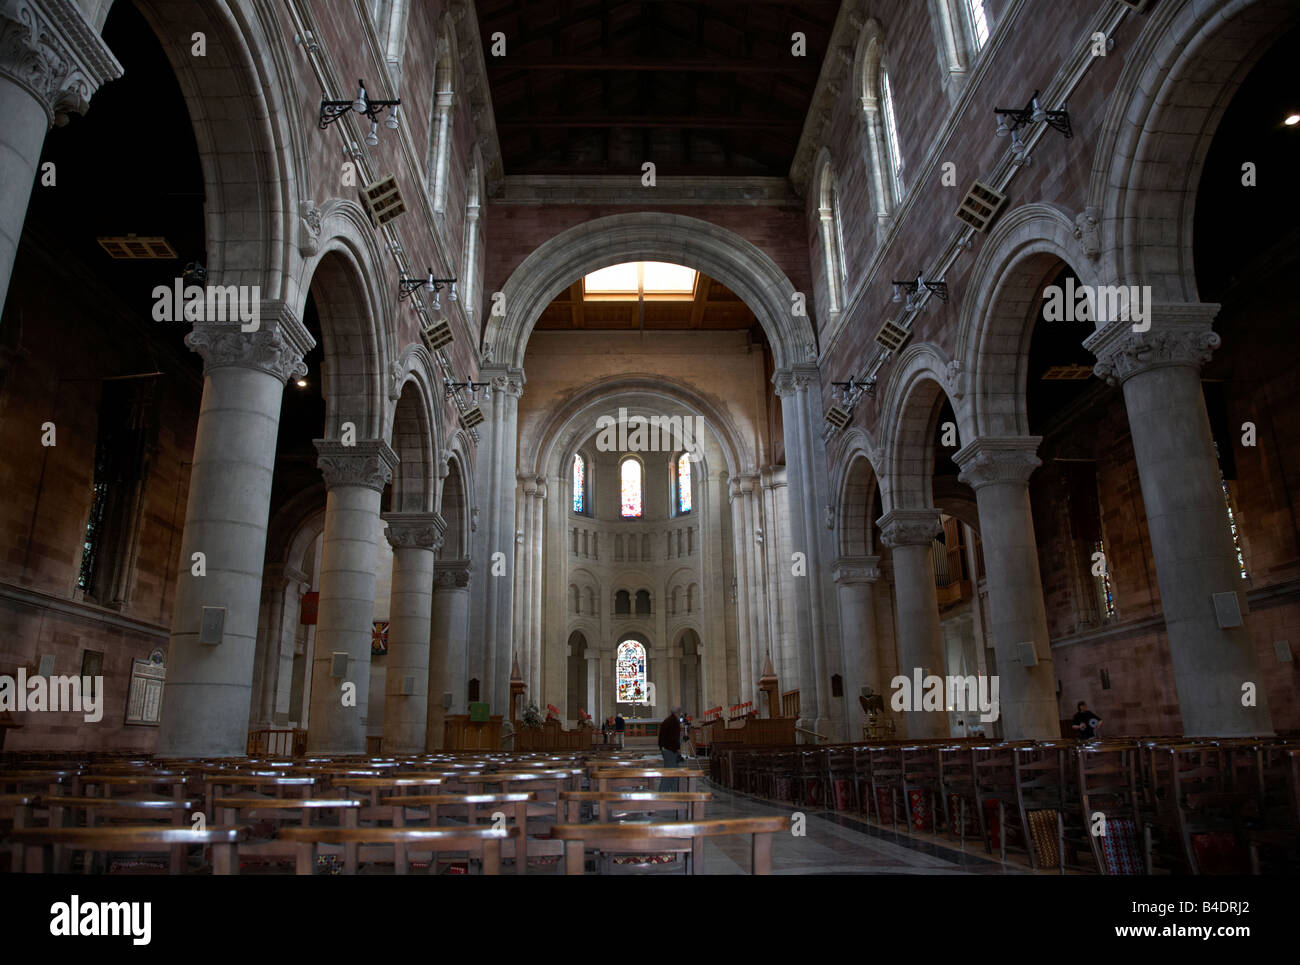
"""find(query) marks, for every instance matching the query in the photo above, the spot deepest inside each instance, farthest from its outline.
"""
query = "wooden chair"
(1108, 786)
(673, 837)
(482, 842)
(957, 786)
(224, 842)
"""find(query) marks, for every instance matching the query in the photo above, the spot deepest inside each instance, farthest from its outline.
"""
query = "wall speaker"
(1028, 655)
(1282, 650)
(1228, 609)
(212, 625)
(408, 686)
(339, 663)
(46, 667)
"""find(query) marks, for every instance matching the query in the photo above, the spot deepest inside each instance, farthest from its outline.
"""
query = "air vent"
(892, 336)
(1068, 373)
(383, 200)
(436, 335)
(471, 417)
(838, 417)
(132, 246)
(980, 206)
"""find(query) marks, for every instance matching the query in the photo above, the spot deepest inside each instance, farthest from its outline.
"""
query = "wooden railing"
(274, 742)
(790, 703)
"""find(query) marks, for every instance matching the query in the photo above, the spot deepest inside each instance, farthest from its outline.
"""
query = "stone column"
(998, 469)
(1186, 519)
(448, 660)
(799, 390)
(206, 700)
(414, 538)
(492, 629)
(856, 578)
(51, 62)
(355, 477)
(593, 684)
(284, 589)
(741, 489)
(910, 534)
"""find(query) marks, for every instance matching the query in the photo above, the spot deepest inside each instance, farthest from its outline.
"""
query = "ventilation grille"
(131, 246)
(437, 335)
(980, 206)
(892, 336)
(1068, 373)
(471, 417)
(383, 200)
(838, 417)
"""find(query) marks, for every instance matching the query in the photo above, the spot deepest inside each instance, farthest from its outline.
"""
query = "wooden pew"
(223, 841)
(619, 778)
(673, 837)
(483, 842)
(476, 806)
(108, 811)
(690, 801)
(233, 809)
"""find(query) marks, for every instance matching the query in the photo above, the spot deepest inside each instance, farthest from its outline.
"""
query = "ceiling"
(714, 307)
(700, 88)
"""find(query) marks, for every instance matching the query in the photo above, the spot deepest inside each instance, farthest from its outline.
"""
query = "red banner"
(310, 604)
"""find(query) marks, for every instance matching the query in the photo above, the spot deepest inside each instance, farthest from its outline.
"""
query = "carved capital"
(790, 380)
(415, 530)
(49, 49)
(856, 569)
(908, 527)
(1010, 459)
(369, 463)
(277, 347)
(451, 574)
(1178, 335)
(505, 380)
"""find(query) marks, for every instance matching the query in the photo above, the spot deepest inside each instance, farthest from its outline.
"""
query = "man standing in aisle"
(670, 744)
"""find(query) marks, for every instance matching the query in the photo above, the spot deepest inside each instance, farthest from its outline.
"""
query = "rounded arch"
(254, 160)
(1022, 253)
(413, 433)
(453, 506)
(631, 473)
(868, 65)
(830, 231)
(1188, 62)
(855, 518)
(648, 236)
(915, 393)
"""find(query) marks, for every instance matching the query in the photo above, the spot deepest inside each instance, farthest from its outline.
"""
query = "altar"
(640, 727)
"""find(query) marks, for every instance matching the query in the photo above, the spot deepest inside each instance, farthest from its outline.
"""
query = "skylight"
(640, 279)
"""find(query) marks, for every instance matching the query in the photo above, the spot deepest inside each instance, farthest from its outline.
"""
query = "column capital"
(414, 530)
(909, 527)
(280, 575)
(998, 459)
(451, 574)
(505, 379)
(369, 463)
(49, 48)
(277, 346)
(793, 378)
(856, 569)
(1177, 334)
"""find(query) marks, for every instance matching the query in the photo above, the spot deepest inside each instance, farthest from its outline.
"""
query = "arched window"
(622, 602)
(979, 22)
(440, 125)
(828, 213)
(643, 603)
(390, 24)
(884, 151)
(629, 474)
(891, 134)
(684, 483)
(579, 483)
(469, 277)
(629, 669)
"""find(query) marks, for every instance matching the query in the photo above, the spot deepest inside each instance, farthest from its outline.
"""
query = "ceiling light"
(1292, 120)
(301, 383)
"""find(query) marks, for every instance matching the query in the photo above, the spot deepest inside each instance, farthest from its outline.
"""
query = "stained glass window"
(579, 483)
(684, 483)
(629, 668)
(630, 477)
(891, 135)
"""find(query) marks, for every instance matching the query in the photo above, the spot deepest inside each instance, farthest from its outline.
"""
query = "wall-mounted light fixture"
(1031, 113)
(331, 111)
(471, 387)
(914, 290)
(848, 394)
(406, 285)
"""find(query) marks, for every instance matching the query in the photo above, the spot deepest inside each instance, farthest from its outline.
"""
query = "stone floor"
(834, 845)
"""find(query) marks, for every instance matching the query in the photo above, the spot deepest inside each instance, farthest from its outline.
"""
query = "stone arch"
(1187, 63)
(453, 506)
(1023, 252)
(414, 431)
(913, 397)
(254, 159)
(854, 520)
(649, 236)
(830, 232)
(356, 320)
(293, 530)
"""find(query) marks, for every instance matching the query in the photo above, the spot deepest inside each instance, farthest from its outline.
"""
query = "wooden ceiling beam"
(720, 65)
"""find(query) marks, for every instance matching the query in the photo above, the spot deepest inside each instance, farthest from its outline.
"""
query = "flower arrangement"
(532, 715)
